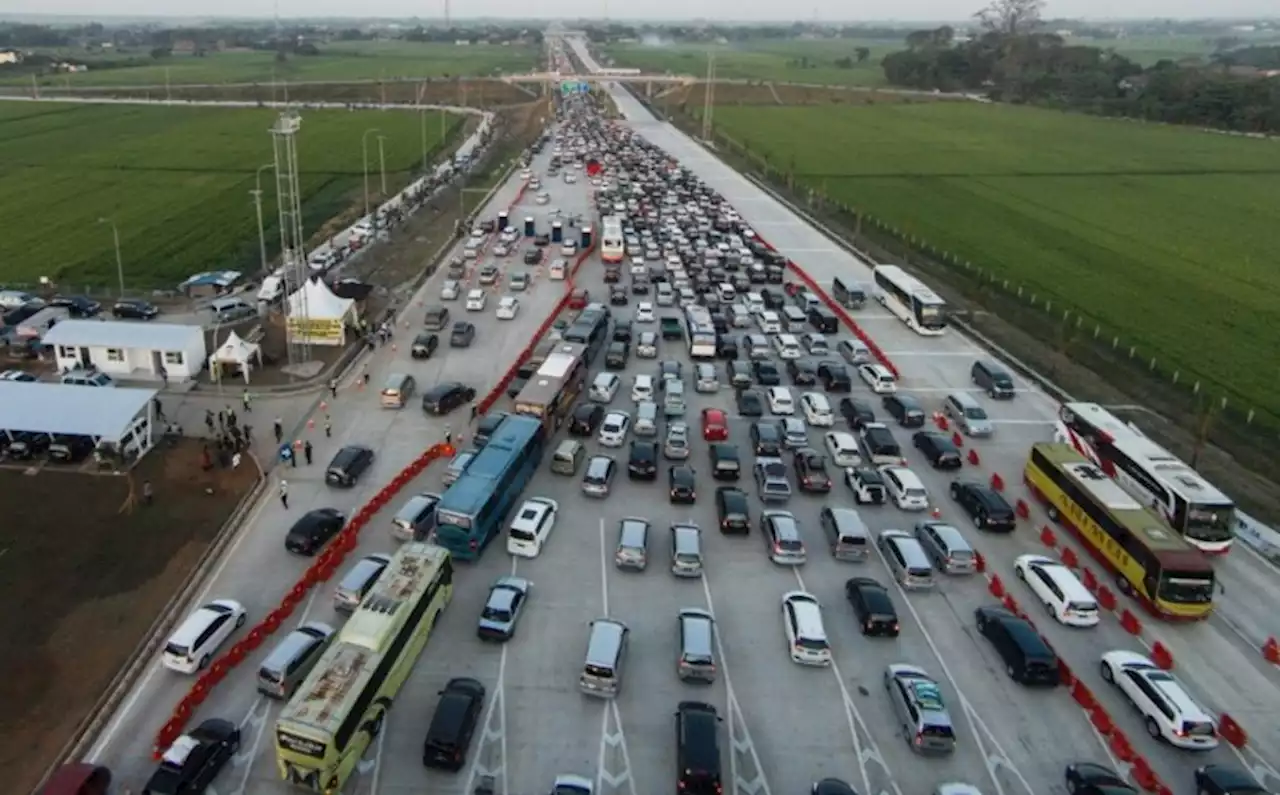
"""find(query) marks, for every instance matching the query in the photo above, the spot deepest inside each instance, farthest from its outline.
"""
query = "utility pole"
(382, 164)
(115, 238)
(708, 101)
(168, 94)
(364, 159)
(257, 206)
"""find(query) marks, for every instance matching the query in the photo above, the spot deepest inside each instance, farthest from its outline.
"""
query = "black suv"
(835, 376)
(453, 724)
(1027, 657)
(988, 509)
(586, 418)
(725, 463)
(726, 347)
(215, 740)
(734, 510)
(766, 438)
(532, 256)
(697, 749)
(905, 409)
(444, 398)
(802, 372)
(622, 331)
(348, 465)
(811, 471)
(683, 485)
(938, 448)
(873, 607)
(486, 427)
(750, 404)
(766, 373)
(615, 358)
(856, 412)
(313, 530)
(643, 462)
(134, 309)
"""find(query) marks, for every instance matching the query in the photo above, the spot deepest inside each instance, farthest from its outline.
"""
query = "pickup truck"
(671, 328)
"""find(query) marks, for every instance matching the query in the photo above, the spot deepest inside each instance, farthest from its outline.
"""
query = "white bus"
(612, 246)
(702, 332)
(911, 300)
(1186, 501)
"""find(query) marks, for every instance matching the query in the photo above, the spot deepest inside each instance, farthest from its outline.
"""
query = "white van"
(604, 387)
(1058, 589)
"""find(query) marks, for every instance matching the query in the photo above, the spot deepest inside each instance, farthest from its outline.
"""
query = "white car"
(817, 410)
(192, 645)
(543, 197)
(570, 178)
(802, 621)
(613, 430)
(1058, 589)
(566, 783)
(878, 378)
(532, 527)
(510, 235)
(450, 290)
(501, 250)
(769, 322)
(476, 300)
(1170, 713)
(644, 312)
(568, 248)
(508, 307)
(905, 488)
(647, 347)
(642, 388)
(780, 401)
(843, 449)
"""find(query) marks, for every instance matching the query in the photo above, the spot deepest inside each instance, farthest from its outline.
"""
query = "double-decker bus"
(612, 246)
(551, 391)
(591, 329)
(1186, 501)
(1151, 562)
(472, 511)
(339, 709)
(702, 332)
(911, 300)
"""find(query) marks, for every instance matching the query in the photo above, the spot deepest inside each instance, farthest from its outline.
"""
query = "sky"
(739, 10)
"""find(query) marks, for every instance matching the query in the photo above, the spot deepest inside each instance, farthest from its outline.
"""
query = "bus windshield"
(1186, 587)
(1210, 522)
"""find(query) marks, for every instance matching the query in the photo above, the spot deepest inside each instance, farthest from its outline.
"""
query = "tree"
(862, 54)
(161, 52)
(1011, 17)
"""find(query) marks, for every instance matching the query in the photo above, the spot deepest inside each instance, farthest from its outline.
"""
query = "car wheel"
(204, 662)
(1048, 608)
(955, 493)
(1153, 729)
(1107, 674)
(1009, 670)
(1020, 573)
(241, 619)
(1053, 513)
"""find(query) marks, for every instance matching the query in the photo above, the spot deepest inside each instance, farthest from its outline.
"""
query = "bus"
(551, 391)
(591, 329)
(911, 300)
(612, 246)
(339, 709)
(702, 332)
(1183, 498)
(1151, 562)
(472, 511)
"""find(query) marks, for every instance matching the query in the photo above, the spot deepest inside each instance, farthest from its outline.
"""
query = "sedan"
(613, 431)
(518, 282)
(1087, 778)
(1217, 780)
(750, 404)
(195, 759)
(313, 530)
(644, 312)
(508, 308)
(676, 446)
(683, 487)
(134, 309)
(503, 608)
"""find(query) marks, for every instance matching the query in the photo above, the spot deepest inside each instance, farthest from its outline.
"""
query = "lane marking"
(604, 570)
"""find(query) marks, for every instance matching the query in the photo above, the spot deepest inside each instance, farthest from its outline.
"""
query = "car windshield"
(928, 695)
(1186, 587)
(774, 470)
(496, 613)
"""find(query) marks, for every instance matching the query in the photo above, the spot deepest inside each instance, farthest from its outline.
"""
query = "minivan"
(696, 634)
(992, 379)
(606, 654)
(358, 581)
(604, 387)
(739, 316)
(396, 392)
(229, 310)
(1027, 657)
(906, 559)
(292, 659)
(963, 409)
(697, 749)
(854, 350)
(846, 533)
(795, 319)
(436, 319)
(568, 457)
(950, 551)
(416, 517)
(453, 724)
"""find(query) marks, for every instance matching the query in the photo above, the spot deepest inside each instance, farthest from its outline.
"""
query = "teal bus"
(472, 511)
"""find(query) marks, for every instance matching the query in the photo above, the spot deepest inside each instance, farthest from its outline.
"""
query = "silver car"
(794, 433)
(518, 282)
(676, 445)
(771, 479)
(922, 714)
(457, 466)
(503, 608)
(633, 544)
(686, 550)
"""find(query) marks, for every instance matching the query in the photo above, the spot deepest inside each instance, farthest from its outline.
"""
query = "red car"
(578, 299)
(715, 426)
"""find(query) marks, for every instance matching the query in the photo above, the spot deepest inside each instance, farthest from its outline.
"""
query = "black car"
(856, 412)
(872, 606)
(766, 373)
(879, 443)
(194, 761)
(750, 403)
(586, 419)
(640, 287)
(462, 334)
(725, 463)
(615, 357)
(542, 239)
(453, 724)
(622, 331)
(905, 409)
(642, 464)
(682, 482)
(1028, 659)
(444, 398)
(811, 471)
(313, 530)
(697, 749)
(938, 449)
(726, 347)
(1213, 780)
(802, 372)
(79, 305)
(517, 386)
(348, 465)
(424, 345)
(734, 510)
(1087, 778)
(532, 256)
(766, 438)
(987, 507)
(134, 309)
(832, 786)
(835, 376)
(617, 296)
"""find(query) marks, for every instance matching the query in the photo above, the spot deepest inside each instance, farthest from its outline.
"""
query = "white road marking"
(604, 571)
(617, 737)
(252, 753)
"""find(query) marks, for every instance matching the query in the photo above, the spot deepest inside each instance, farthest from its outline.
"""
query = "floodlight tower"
(447, 14)
(709, 101)
(293, 255)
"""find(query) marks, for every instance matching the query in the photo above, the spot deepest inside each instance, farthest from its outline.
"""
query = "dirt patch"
(469, 93)
(85, 569)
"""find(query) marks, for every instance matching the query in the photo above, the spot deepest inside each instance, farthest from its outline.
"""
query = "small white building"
(129, 350)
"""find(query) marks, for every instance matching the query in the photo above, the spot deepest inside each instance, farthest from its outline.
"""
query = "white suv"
(1169, 711)
(802, 621)
(878, 378)
(780, 401)
(193, 644)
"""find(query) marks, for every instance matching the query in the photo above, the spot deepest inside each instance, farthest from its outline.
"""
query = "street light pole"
(257, 206)
(364, 159)
(382, 165)
(115, 238)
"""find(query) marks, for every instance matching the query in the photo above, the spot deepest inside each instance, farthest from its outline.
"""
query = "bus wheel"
(1123, 585)
(1054, 516)
(375, 726)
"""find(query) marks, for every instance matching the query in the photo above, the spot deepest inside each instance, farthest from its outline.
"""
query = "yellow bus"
(1152, 563)
(339, 709)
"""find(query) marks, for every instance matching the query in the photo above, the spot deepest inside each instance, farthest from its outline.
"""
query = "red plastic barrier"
(997, 482)
(238, 652)
(183, 712)
(1047, 537)
(1082, 694)
(996, 587)
(940, 420)
(255, 637)
(1161, 656)
(1101, 721)
(1011, 604)
(219, 670)
(1231, 731)
(1065, 674)
(957, 439)
(1069, 558)
(1090, 581)
(1143, 775)
(1130, 622)
(1121, 747)
(973, 456)
(1271, 651)
(979, 561)
(1023, 510)
(1107, 598)
(1163, 789)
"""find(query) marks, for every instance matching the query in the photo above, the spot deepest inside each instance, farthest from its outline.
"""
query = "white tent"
(317, 316)
(235, 352)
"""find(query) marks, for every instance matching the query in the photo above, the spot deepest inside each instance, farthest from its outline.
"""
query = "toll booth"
(528, 226)
(586, 238)
(557, 232)
(504, 220)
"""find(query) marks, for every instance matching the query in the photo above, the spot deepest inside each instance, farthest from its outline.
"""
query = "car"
(445, 397)
(134, 309)
(856, 412)
(811, 471)
(734, 510)
(938, 449)
(987, 507)
(502, 250)
(578, 298)
(569, 248)
(191, 763)
(906, 409)
(834, 376)
(313, 530)
(780, 400)
(750, 403)
(682, 485)
(686, 549)
(675, 447)
(453, 724)
(462, 334)
(615, 357)
(644, 312)
(567, 783)
(488, 274)
(618, 297)
(794, 433)
(843, 449)
(766, 438)
(1089, 778)
(1027, 657)
(613, 430)
(532, 526)
(502, 610)
(879, 445)
(1219, 780)
(872, 606)
(1169, 712)
(766, 373)
(817, 410)
(633, 544)
(423, 346)
(715, 425)
(642, 463)
(532, 256)
(647, 345)
(348, 465)
(771, 479)
(670, 370)
(20, 376)
(831, 786)
(802, 372)
(906, 489)
(457, 466)
(451, 290)
(518, 282)
(508, 307)
(878, 377)
(922, 713)
(476, 300)
(585, 419)
(191, 646)
(1056, 587)
(80, 306)
(802, 622)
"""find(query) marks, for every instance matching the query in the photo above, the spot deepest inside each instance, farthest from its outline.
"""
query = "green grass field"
(387, 60)
(176, 183)
(775, 61)
(1166, 237)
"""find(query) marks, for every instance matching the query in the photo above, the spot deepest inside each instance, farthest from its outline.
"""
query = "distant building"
(10, 57)
(66, 66)
(184, 47)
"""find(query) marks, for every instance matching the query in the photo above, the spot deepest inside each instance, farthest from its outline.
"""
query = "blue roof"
(470, 491)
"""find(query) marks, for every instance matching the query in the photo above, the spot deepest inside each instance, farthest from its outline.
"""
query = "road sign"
(584, 88)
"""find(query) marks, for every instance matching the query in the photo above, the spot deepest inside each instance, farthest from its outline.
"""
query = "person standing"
(278, 427)
(328, 427)
(333, 387)
(246, 400)
(306, 451)
(284, 494)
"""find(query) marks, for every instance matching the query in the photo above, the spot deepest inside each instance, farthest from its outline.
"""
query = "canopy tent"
(317, 316)
(234, 353)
